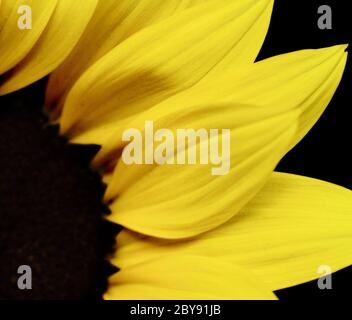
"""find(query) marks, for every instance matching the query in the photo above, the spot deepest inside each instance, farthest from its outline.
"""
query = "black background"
(325, 152)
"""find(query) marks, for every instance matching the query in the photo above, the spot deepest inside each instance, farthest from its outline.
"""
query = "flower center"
(53, 238)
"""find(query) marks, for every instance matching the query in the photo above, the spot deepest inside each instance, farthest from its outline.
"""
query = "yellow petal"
(263, 107)
(177, 201)
(304, 80)
(186, 277)
(15, 43)
(292, 227)
(58, 39)
(112, 23)
(162, 60)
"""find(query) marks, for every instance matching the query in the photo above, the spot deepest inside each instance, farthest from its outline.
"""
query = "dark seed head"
(51, 210)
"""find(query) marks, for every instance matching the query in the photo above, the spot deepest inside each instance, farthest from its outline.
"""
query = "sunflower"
(188, 234)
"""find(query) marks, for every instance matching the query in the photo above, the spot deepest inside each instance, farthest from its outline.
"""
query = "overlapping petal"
(113, 22)
(61, 34)
(162, 60)
(16, 43)
(191, 277)
(267, 108)
(292, 227)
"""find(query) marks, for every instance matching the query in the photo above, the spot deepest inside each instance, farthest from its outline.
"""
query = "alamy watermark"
(325, 20)
(25, 17)
(181, 146)
(24, 281)
(24, 21)
(325, 280)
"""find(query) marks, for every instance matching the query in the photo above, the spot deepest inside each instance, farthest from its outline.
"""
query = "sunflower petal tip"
(342, 47)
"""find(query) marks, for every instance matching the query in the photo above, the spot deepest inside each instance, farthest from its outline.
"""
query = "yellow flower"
(190, 64)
